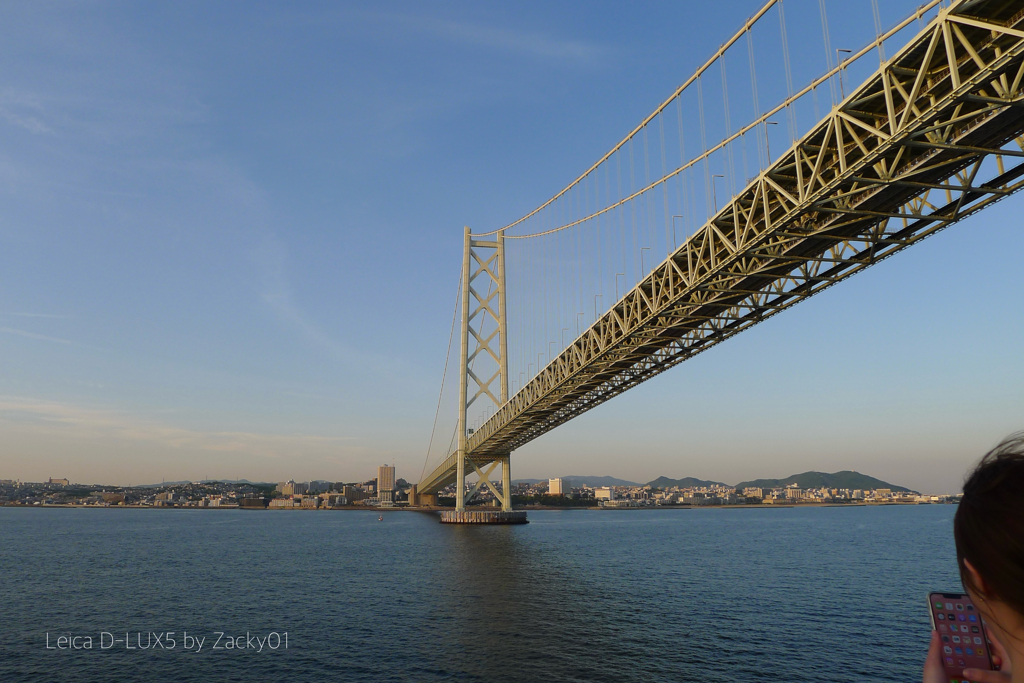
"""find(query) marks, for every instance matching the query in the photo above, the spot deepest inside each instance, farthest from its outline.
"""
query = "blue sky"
(230, 238)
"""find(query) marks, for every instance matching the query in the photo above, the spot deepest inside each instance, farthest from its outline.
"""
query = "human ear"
(976, 581)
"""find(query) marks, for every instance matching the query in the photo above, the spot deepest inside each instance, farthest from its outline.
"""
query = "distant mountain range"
(806, 480)
(685, 482)
(815, 480)
(202, 481)
(578, 480)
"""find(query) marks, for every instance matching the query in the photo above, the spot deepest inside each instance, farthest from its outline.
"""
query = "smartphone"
(964, 643)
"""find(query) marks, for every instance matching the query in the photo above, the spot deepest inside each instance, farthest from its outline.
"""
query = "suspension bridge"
(877, 153)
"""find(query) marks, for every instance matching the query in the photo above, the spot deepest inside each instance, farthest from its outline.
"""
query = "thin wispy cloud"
(270, 258)
(23, 110)
(525, 43)
(106, 424)
(59, 316)
(33, 335)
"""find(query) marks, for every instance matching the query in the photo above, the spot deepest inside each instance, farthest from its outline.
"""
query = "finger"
(982, 676)
(997, 647)
(934, 649)
(933, 671)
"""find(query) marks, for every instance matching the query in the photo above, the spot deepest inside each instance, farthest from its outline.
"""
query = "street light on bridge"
(767, 144)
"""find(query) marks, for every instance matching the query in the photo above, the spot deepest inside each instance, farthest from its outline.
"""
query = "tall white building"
(386, 484)
(556, 487)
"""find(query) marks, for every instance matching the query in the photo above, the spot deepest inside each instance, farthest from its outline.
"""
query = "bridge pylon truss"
(483, 301)
(935, 135)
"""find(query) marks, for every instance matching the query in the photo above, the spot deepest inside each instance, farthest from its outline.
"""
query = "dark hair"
(989, 524)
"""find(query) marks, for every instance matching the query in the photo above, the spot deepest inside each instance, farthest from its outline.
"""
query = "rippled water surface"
(819, 594)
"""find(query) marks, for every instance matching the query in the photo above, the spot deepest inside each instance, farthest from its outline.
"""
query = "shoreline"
(354, 508)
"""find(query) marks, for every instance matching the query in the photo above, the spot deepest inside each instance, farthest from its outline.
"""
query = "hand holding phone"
(960, 634)
(1000, 660)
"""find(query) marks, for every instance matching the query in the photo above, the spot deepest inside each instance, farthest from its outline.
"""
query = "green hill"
(685, 482)
(580, 480)
(816, 480)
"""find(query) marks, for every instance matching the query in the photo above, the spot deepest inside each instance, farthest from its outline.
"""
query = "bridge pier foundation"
(483, 517)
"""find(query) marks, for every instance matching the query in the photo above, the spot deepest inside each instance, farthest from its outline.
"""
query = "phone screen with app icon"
(964, 644)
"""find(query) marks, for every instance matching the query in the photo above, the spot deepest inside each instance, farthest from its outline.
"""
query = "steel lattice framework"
(932, 137)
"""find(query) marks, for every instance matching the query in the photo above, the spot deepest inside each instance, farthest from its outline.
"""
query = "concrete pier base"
(483, 517)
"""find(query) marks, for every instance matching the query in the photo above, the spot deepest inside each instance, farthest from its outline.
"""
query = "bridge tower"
(483, 301)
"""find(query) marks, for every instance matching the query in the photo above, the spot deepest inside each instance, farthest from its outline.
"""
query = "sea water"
(792, 594)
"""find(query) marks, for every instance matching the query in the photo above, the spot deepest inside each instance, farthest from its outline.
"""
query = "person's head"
(989, 532)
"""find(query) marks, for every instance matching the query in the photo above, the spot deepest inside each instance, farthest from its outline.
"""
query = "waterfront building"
(604, 493)
(556, 487)
(291, 488)
(353, 494)
(386, 484)
(625, 503)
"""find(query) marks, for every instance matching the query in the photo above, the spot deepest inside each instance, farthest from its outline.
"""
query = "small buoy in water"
(381, 518)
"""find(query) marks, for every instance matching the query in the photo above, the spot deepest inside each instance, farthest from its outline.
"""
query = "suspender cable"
(704, 146)
(828, 49)
(444, 374)
(632, 207)
(664, 187)
(757, 107)
(608, 199)
(648, 237)
(728, 131)
(622, 218)
(577, 289)
(683, 195)
(790, 114)
(878, 31)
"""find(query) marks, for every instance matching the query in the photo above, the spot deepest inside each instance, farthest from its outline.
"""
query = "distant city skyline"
(231, 243)
(387, 481)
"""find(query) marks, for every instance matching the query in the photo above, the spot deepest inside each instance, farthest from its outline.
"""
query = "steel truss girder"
(858, 188)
